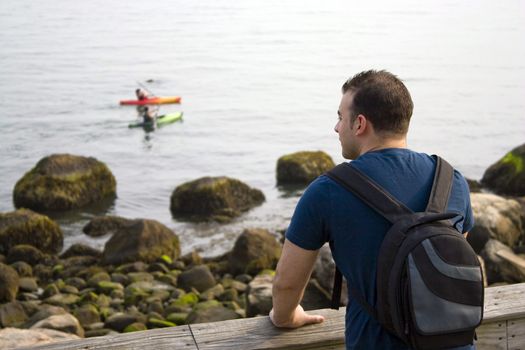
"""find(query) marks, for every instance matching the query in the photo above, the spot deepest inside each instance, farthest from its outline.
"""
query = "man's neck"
(378, 144)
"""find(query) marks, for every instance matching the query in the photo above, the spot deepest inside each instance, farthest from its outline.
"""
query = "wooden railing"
(503, 327)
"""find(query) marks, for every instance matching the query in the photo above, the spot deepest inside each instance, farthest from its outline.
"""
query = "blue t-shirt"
(328, 212)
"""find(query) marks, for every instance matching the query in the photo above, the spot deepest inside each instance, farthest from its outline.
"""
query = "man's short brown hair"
(383, 99)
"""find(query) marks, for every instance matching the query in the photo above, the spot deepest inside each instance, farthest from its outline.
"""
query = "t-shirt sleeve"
(468, 221)
(308, 225)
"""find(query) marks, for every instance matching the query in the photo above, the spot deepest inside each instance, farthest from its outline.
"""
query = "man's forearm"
(286, 298)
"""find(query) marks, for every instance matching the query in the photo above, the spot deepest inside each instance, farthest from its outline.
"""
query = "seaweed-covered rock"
(8, 283)
(498, 217)
(62, 182)
(301, 168)
(213, 198)
(103, 225)
(507, 175)
(27, 227)
(144, 240)
(254, 250)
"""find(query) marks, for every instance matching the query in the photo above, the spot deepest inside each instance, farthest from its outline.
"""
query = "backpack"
(428, 279)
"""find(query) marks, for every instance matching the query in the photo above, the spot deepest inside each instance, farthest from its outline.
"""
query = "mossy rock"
(507, 176)
(213, 199)
(27, 227)
(62, 182)
(144, 240)
(104, 225)
(158, 323)
(9, 281)
(179, 318)
(135, 327)
(210, 311)
(301, 168)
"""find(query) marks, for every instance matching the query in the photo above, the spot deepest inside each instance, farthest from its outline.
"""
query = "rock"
(507, 175)
(144, 240)
(63, 182)
(213, 292)
(254, 250)
(64, 300)
(198, 277)
(135, 292)
(27, 227)
(80, 249)
(26, 253)
(97, 278)
(8, 283)
(105, 225)
(324, 272)
(135, 327)
(474, 186)
(179, 318)
(140, 277)
(64, 323)
(301, 168)
(12, 315)
(315, 297)
(44, 312)
(120, 321)
(22, 268)
(213, 198)
(498, 269)
(192, 258)
(11, 338)
(137, 266)
(87, 314)
(210, 311)
(107, 287)
(259, 296)
(499, 217)
(28, 284)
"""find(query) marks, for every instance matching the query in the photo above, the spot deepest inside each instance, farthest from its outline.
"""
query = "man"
(374, 116)
(141, 94)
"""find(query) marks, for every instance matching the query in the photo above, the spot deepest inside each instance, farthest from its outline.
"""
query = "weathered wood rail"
(503, 328)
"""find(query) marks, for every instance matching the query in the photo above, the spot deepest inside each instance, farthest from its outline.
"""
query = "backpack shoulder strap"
(368, 191)
(441, 187)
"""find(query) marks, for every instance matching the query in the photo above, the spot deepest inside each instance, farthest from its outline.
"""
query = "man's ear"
(362, 124)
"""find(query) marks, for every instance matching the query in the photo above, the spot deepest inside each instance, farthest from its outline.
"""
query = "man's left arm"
(292, 274)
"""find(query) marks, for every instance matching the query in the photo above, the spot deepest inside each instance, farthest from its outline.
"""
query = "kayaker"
(149, 115)
(141, 94)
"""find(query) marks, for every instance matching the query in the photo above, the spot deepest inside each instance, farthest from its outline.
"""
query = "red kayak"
(152, 101)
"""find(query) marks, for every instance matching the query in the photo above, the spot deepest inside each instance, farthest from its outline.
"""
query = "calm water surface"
(259, 79)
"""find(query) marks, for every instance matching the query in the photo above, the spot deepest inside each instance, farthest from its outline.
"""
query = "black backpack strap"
(438, 200)
(368, 191)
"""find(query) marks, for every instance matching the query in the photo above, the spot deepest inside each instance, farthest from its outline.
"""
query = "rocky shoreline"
(140, 280)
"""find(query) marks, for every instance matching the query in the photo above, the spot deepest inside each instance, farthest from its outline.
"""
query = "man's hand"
(299, 318)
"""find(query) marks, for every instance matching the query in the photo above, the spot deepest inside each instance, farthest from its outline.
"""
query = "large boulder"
(301, 168)
(143, 240)
(497, 217)
(213, 198)
(8, 283)
(27, 227)
(103, 225)
(62, 182)
(254, 250)
(507, 175)
(12, 338)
